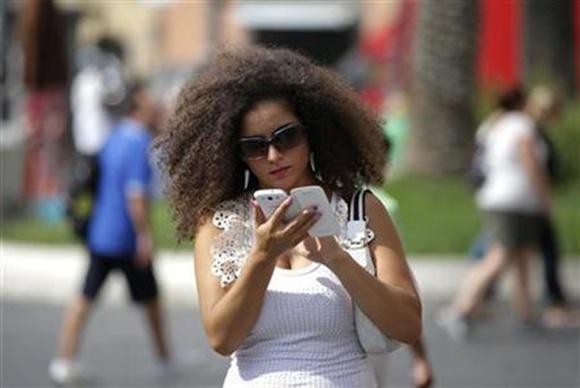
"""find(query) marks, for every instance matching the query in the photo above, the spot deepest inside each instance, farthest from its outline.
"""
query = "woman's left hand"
(320, 249)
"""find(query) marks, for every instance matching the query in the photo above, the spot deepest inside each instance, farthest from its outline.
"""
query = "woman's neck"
(308, 180)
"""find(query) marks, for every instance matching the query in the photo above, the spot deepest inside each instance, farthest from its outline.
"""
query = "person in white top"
(277, 300)
(513, 198)
(98, 86)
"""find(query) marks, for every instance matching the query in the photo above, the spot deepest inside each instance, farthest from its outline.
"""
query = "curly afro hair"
(198, 150)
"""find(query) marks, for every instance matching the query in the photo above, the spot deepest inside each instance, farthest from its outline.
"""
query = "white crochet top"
(305, 334)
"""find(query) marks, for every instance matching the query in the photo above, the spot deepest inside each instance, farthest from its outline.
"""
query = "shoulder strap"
(357, 206)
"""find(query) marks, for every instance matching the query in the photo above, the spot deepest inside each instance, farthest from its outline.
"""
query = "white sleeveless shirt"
(305, 334)
(508, 187)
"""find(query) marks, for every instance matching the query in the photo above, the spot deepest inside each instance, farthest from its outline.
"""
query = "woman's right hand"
(273, 237)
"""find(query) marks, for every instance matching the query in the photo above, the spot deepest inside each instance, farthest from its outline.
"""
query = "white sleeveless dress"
(305, 334)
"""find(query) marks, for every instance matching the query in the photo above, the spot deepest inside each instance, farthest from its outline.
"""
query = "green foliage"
(566, 135)
(164, 229)
(34, 231)
(567, 214)
(436, 215)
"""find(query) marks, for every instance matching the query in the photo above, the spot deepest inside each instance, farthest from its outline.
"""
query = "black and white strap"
(356, 210)
(357, 233)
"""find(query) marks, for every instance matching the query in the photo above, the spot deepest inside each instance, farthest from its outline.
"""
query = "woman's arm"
(538, 175)
(390, 300)
(229, 313)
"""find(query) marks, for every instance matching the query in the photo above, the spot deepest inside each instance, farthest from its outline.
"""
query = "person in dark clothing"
(544, 107)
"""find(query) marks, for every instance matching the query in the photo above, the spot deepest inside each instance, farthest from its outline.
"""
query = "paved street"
(117, 345)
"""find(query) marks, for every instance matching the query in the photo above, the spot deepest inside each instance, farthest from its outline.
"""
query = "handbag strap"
(356, 211)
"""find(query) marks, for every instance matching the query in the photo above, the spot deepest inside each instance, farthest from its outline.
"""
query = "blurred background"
(431, 70)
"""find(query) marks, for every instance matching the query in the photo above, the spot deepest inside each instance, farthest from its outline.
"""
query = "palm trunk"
(549, 43)
(443, 90)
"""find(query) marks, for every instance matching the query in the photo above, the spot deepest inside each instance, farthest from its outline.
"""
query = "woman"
(514, 197)
(277, 300)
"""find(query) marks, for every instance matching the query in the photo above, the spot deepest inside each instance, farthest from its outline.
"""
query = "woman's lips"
(279, 172)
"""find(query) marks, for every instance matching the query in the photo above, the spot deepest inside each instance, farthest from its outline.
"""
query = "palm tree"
(549, 43)
(443, 87)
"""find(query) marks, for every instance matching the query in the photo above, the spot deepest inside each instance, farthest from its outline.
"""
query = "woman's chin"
(287, 182)
(284, 184)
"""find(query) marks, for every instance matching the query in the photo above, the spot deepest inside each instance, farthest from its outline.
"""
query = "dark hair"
(111, 45)
(198, 149)
(512, 99)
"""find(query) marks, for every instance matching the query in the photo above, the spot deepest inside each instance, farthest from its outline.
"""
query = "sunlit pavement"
(37, 282)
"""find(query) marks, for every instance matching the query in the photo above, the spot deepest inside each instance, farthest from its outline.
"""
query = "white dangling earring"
(312, 165)
(246, 179)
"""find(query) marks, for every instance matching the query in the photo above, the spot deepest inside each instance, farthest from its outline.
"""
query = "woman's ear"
(247, 176)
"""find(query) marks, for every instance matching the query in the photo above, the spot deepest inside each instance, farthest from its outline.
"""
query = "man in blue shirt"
(119, 234)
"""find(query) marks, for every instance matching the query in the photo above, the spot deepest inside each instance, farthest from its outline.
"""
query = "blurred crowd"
(514, 171)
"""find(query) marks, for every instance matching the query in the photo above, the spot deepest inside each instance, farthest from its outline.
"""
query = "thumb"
(259, 216)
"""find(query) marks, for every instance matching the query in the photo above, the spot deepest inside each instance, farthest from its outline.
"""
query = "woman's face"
(277, 168)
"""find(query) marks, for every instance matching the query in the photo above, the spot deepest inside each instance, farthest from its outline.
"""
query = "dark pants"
(550, 251)
(141, 280)
(548, 246)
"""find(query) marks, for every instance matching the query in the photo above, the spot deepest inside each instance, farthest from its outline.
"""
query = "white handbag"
(371, 339)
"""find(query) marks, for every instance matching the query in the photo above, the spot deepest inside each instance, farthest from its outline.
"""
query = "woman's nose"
(273, 154)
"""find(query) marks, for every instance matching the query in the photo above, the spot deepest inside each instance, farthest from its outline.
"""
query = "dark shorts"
(141, 280)
(513, 230)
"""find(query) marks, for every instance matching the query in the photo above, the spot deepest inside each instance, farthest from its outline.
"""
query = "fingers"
(311, 243)
(298, 239)
(297, 230)
(279, 213)
(259, 216)
(300, 219)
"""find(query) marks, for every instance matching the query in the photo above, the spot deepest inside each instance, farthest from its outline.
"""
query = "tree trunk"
(549, 43)
(443, 89)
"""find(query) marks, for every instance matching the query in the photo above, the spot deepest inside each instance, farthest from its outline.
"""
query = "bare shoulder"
(208, 285)
(374, 205)
(386, 247)
(206, 230)
(378, 217)
(204, 239)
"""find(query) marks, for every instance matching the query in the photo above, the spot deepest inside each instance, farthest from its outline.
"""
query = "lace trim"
(232, 246)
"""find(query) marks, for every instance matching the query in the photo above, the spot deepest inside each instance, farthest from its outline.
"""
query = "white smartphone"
(303, 197)
(270, 199)
(308, 196)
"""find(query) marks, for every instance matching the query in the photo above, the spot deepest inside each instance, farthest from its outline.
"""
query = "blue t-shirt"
(124, 170)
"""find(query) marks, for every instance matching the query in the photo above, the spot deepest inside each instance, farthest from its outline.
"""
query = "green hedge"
(435, 216)
(438, 215)
(566, 135)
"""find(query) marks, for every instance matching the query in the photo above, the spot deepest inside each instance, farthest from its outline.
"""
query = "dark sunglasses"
(284, 138)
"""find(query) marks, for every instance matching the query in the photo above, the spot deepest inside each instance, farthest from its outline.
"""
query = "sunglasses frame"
(271, 140)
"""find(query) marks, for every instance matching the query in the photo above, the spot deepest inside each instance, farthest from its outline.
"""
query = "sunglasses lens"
(283, 139)
(253, 148)
(288, 138)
